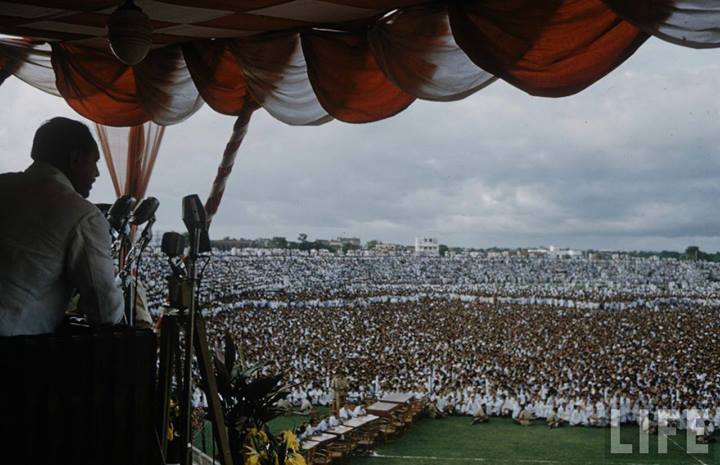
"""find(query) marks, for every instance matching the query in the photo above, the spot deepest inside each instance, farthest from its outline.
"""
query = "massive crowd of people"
(592, 342)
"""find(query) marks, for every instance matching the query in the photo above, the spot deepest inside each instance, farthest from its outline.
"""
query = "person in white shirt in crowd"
(322, 426)
(305, 407)
(358, 411)
(309, 431)
(480, 416)
(344, 413)
(648, 424)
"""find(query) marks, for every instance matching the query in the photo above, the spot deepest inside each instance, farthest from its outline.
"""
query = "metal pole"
(168, 344)
(207, 374)
(189, 339)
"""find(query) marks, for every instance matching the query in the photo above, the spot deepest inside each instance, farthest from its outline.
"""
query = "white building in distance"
(427, 246)
(555, 252)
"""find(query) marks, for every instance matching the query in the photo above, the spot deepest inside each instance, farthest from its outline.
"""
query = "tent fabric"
(277, 77)
(102, 89)
(552, 49)
(690, 23)
(130, 155)
(308, 61)
(231, 73)
(30, 62)
(348, 80)
(217, 75)
(416, 50)
(179, 21)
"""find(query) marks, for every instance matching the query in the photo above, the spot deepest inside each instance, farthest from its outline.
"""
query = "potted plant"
(249, 401)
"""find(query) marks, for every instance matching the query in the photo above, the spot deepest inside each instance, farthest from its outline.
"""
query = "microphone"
(195, 219)
(173, 244)
(145, 211)
(193, 213)
(120, 210)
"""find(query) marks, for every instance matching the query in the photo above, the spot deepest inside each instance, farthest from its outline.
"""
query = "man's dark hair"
(58, 137)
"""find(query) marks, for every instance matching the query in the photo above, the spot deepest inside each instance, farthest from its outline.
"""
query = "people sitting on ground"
(704, 431)
(480, 416)
(285, 405)
(648, 425)
(441, 404)
(553, 420)
(577, 415)
(524, 417)
(433, 411)
(594, 419)
(709, 430)
(305, 407)
(507, 406)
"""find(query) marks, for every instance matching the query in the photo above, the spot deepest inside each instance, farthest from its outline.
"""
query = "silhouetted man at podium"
(52, 240)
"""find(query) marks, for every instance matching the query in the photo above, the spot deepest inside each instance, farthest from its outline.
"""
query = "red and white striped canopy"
(308, 61)
(177, 21)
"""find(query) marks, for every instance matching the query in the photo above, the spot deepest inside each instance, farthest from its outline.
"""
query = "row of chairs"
(363, 440)
(400, 421)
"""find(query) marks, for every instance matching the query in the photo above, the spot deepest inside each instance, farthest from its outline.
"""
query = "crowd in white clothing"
(592, 342)
(295, 278)
(581, 364)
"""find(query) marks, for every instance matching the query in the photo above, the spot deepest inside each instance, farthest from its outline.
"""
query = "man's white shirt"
(51, 242)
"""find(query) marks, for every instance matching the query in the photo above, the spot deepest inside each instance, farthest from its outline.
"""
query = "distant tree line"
(692, 252)
(278, 242)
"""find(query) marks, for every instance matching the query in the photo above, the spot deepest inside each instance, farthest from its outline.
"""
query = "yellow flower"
(291, 440)
(251, 456)
(170, 432)
(295, 459)
(254, 435)
(263, 436)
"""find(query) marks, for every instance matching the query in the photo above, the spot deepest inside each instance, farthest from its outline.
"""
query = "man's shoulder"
(49, 199)
(89, 215)
(10, 178)
(84, 206)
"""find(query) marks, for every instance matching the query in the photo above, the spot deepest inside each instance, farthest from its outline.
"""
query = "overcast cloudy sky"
(631, 163)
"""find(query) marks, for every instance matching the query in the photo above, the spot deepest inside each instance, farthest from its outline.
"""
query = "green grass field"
(455, 441)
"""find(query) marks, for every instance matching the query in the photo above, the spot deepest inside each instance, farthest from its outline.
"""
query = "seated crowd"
(576, 342)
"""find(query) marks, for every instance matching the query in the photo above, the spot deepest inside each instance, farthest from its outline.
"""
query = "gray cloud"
(631, 163)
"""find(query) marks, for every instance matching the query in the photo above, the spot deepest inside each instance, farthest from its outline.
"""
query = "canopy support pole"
(240, 129)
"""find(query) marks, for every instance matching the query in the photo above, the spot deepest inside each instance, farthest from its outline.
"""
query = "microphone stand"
(123, 261)
(186, 403)
(143, 241)
(127, 260)
(184, 283)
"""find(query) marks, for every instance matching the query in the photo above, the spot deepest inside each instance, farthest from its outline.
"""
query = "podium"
(78, 399)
